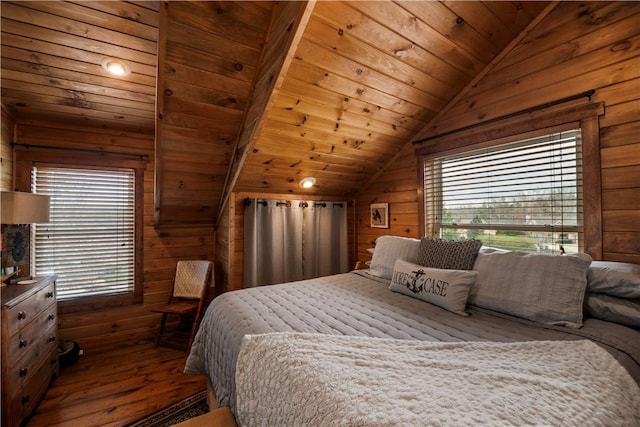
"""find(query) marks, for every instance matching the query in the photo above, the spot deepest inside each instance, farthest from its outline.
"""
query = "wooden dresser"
(29, 346)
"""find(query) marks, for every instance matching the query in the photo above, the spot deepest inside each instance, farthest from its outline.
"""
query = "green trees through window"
(524, 195)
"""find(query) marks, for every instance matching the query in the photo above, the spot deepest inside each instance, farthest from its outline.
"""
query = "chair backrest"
(191, 278)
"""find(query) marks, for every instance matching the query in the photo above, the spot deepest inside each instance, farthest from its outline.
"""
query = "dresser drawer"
(22, 370)
(29, 346)
(24, 312)
(26, 398)
(21, 343)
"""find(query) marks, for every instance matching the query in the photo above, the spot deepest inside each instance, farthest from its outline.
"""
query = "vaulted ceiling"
(253, 96)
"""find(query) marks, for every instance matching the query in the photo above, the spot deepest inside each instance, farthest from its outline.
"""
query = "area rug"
(190, 407)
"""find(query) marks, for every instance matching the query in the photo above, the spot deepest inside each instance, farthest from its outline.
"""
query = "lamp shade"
(23, 208)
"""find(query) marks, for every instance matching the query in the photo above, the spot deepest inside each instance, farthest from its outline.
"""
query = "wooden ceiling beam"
(163, 29)
(288, 23)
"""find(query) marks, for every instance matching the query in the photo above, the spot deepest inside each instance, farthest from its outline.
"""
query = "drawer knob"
(51, 317)
(49, 294)
(51, 338)
(25, 399)
(22, 315)
(24, 372)
(22, 344)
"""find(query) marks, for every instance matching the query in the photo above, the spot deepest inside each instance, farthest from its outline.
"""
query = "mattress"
(358, 304)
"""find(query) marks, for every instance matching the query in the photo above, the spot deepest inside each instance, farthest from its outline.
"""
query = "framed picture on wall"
(15, 245)
(379, 215)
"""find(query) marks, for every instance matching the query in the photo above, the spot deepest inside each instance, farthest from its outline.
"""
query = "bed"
(361, 304)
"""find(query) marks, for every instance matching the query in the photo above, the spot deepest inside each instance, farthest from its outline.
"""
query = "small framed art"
(380, 215)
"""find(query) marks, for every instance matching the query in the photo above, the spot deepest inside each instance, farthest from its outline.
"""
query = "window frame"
(585, 117)
(436, 208)
(26, 159)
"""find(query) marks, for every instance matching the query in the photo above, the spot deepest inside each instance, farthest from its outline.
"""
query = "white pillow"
(389, 249)
(614, 278)
(624, 311)
(540, 287)
(445, 288)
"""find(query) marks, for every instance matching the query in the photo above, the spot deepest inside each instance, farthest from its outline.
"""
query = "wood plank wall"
(579, 46)
(103, 329)
(398, 187)
(6, 153)
(225, 246)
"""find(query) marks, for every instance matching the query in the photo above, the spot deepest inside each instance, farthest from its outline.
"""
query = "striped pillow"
(389, 249)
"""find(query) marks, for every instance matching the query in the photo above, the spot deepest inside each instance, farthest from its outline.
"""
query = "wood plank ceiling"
(345, 86)
(52, 54)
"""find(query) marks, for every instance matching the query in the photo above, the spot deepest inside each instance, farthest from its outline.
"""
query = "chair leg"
(162, 322)
(194, 329)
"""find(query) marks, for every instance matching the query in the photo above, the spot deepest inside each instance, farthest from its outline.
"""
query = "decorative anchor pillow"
(448, 289)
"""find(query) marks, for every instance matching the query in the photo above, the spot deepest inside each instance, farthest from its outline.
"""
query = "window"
(524, 195)
(90, 239)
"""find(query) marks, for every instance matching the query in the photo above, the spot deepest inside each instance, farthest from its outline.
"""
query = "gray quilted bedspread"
(356, 304)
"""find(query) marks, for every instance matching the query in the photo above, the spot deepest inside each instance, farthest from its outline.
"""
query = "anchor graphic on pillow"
(412, 285)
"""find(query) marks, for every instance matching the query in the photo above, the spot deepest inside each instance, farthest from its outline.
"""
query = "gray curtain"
(324, 239)
(288, 241)
(272, 242)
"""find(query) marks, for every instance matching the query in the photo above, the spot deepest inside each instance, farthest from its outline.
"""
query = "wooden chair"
(187, 295)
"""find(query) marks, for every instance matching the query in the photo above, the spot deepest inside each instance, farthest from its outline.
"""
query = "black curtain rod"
(587, 94)
(247, 202)
(82, 150)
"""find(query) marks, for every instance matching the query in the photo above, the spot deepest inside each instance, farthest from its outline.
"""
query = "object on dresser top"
(11, 275)
(17, 278)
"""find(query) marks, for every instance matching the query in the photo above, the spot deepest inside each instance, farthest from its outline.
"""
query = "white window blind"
(89, 241)
(525, 195)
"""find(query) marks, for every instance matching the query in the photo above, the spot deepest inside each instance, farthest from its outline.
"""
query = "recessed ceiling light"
(307, 182)
(115, 67)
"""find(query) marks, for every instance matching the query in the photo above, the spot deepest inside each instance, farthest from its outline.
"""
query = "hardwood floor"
(116, 388)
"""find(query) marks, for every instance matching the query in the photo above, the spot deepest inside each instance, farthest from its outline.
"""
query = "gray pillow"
(448, 254)
(618, 310)
(543, 288)
(614, 278)
(389, 249)
(448, 289)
